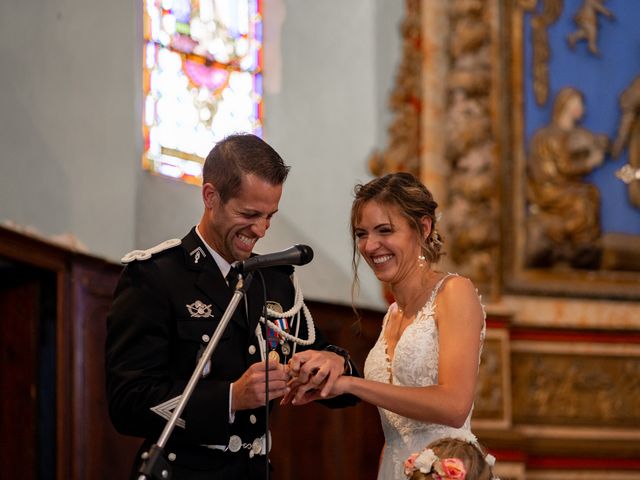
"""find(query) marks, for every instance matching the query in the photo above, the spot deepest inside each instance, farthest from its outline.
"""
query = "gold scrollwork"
(551, 10)
(403, 152)
(558, 389)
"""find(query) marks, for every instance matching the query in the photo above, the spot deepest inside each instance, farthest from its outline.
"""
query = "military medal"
(272, 338)
(283, 322)
(273, 356)
(283, 325)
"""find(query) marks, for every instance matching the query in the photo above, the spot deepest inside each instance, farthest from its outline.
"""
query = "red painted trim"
(582, 463)
(592, 336)
(496, 323)
(509, 456)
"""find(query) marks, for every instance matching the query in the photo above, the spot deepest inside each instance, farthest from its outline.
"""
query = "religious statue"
(629, 136)
(586, 18)
(563, 223)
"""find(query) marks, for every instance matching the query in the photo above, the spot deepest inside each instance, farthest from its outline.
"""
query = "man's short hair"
(238, 155)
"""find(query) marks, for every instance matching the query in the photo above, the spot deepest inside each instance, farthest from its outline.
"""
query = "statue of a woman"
(563, 223)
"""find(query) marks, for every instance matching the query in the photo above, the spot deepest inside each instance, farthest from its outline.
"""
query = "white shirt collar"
(223, 265)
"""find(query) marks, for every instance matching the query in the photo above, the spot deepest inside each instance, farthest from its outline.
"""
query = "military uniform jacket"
(164, 312)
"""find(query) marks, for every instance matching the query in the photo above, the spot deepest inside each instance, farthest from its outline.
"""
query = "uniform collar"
(223, 265)
(209, 276)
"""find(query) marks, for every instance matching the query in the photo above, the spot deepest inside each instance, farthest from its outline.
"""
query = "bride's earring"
(421, 261)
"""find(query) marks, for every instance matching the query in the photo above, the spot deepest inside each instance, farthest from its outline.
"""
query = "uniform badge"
(165, 410)
(196, 254)
(199, 310)
(275, 306)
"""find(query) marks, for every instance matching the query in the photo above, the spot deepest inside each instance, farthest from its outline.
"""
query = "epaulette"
(146, 254)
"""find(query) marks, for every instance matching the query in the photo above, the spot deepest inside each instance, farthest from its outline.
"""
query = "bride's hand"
(301, 394)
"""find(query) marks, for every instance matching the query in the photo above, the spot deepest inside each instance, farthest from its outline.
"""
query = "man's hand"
(314, 374)
(298, 397)
(249, 389)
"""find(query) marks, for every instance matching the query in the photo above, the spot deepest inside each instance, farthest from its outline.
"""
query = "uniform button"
(256, 446)
(235, 443)
(171, 457)
(252, 418)
(252, 349)
(205, 338)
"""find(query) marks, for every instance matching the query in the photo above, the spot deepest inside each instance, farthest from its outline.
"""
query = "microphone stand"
(155, 464)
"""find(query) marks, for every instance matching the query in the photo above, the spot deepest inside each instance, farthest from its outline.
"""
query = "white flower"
(425, 460)
(466, 435)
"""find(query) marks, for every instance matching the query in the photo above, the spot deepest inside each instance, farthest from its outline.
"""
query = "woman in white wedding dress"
(422, 372)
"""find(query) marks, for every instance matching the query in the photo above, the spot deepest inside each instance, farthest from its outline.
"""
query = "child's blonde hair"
(477, 463)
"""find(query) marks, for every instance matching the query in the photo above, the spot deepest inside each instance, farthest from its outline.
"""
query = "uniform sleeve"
(141, 365)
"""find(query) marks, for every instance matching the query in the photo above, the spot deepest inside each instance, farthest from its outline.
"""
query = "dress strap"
(436, 289)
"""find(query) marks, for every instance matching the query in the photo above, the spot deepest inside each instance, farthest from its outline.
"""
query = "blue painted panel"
(601, 79)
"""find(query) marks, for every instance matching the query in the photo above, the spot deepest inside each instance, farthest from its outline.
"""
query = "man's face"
(232, 229)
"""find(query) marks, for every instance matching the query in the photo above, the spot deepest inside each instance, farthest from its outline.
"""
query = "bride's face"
(387, 242)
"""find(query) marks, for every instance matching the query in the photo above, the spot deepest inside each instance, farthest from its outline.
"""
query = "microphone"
(296, 255)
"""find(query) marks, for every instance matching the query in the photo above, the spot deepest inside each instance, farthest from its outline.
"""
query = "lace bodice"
(415, 363)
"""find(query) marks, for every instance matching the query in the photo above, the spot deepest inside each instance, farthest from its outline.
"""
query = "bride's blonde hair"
(414, 202)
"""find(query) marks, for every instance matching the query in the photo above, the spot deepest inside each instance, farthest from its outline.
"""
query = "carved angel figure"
(587, 20)
(564, 212)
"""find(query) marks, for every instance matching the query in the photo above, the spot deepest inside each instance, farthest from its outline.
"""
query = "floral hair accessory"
(428, 462)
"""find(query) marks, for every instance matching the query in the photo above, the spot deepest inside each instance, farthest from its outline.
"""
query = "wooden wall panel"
(101, 452)
(19, 317)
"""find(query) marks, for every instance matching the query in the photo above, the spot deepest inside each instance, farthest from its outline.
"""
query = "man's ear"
(210, 196)
(426, 226)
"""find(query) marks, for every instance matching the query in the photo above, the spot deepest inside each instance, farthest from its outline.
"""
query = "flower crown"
(428, 462)
(440, 469)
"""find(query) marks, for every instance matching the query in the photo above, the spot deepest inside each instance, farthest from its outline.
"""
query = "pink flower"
(452, 469)
(409, 464)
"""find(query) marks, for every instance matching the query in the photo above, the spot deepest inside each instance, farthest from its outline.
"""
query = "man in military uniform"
(167, 305)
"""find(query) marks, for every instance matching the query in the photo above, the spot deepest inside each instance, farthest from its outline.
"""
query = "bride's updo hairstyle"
(413, 200)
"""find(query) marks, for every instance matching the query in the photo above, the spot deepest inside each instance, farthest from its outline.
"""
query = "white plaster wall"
(68, 119)
(338, 65)
(70, 106)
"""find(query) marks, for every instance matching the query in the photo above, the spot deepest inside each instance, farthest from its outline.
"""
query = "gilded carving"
(470, 147)
(577, 390)
(629, 136)
(563, 224)
(551, 10)
(586, 18)
(403, 152)
(490, 391)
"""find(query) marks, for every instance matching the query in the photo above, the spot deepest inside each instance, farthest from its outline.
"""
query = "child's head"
(450, 459)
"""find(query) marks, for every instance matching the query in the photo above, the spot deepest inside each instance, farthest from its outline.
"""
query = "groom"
(170, 299)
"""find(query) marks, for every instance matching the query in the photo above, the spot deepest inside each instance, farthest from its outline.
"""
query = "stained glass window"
(202, 80)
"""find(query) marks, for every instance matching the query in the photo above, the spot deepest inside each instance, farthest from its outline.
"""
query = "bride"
(422, 371)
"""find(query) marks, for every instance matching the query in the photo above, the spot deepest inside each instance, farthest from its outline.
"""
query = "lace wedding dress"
(415, 363)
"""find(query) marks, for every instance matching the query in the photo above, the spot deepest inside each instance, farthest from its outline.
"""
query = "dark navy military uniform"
(165, 311)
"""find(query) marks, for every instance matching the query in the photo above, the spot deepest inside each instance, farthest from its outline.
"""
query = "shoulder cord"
(298, 305)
